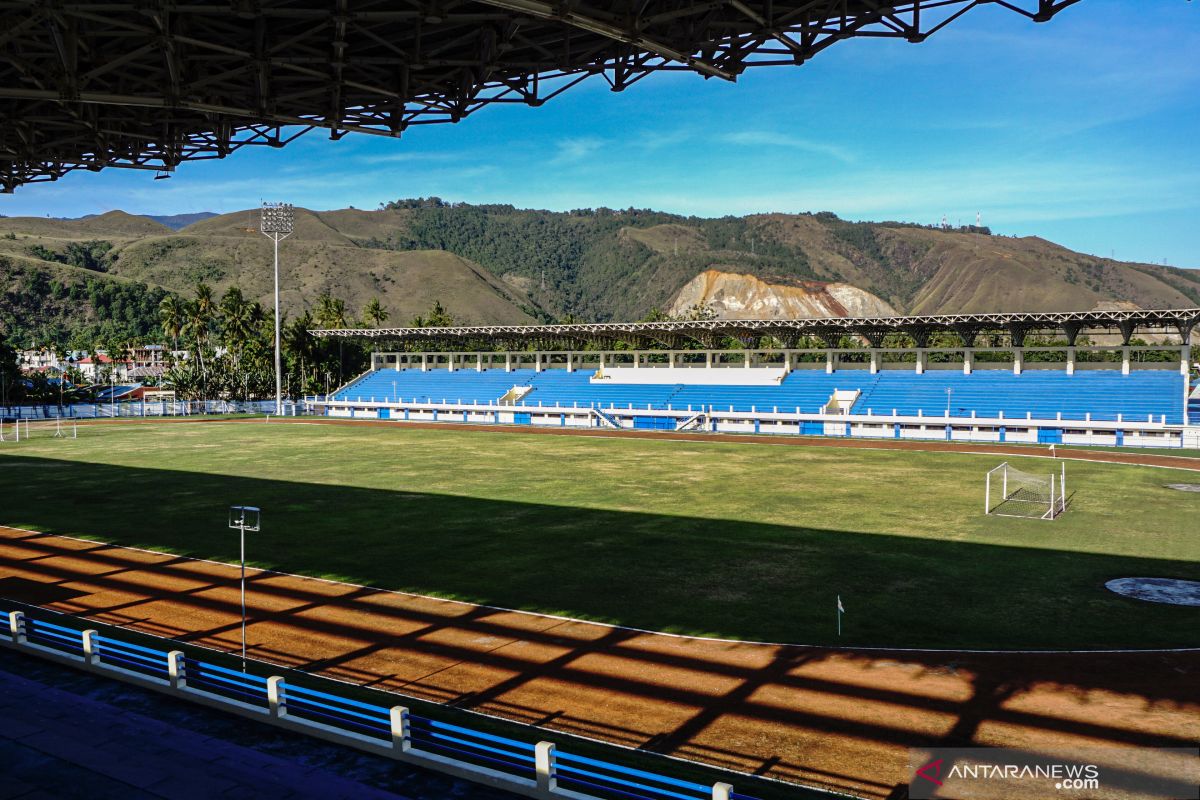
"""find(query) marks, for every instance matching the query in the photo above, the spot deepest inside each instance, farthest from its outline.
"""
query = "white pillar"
(828, 362)
(874, 361)
(277, 696)
(671, 359)
(1071, 360)
(424, 362)
(921, 356)
(968, 361)
(91, 656)
(479, 362)
(570, 362)
(537, 362)
(508, 362)
(787, 360)
(637, 359)
(722, 791)
(1018, 360)
(452, 362)
(401, 739)
(708, 359)
(1125, 360)
(16, 626)
(177, 669)
(543, 756)
(746, 360)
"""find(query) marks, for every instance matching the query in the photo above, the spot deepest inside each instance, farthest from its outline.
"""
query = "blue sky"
(1084, 130)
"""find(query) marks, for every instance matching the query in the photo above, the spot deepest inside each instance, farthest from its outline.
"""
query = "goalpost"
(1009, 492)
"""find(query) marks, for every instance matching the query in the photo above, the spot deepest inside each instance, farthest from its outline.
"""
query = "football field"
(716, 538)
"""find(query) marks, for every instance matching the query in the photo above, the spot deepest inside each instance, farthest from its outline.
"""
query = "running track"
(842, 719)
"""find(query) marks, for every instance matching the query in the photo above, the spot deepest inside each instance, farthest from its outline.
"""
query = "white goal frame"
(1009, 492)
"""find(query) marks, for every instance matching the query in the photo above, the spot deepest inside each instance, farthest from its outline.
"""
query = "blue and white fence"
(532, 769)
(145, 408)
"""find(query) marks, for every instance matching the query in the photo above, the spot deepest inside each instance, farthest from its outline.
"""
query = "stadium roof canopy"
(711, 332)
(149, 84)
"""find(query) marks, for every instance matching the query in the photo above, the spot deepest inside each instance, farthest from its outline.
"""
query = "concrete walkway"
(67, 734)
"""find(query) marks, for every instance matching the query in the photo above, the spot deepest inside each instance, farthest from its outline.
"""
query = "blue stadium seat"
(1044, 394)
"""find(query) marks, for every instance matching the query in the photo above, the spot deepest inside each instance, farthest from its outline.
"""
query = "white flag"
(841, 609)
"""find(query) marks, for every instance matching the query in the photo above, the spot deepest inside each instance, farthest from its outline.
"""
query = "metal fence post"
(91, 656)
(722, 791)
(547, 778)
(401, 741)
(16, 626)
(277, 696)
(177, 669)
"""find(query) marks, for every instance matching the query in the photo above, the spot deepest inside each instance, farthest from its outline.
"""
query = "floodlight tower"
(276, 223)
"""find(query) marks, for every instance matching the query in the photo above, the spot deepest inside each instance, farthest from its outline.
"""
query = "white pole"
(278, 372)
(1005, 487)
(242, 530)
(987, 494)
(1062, 486)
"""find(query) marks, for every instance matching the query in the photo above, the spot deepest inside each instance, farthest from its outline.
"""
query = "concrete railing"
(531, 769)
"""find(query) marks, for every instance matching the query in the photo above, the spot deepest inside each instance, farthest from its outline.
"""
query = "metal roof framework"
(711, 333)
(151, 84)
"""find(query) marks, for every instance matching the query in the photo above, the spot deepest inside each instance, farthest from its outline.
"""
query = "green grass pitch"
(715, 538)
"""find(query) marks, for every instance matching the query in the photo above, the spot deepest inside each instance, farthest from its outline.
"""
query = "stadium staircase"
(1044, 394)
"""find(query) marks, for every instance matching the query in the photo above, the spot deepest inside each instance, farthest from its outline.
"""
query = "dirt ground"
(841, 719)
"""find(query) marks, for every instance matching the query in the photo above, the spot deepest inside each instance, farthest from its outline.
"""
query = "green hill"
(499, 264)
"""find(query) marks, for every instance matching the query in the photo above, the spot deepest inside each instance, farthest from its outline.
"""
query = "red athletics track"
(841, 719)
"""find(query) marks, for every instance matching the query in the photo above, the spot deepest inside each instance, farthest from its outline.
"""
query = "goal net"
(1009, 492)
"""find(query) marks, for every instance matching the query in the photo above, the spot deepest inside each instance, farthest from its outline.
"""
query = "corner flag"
(841, 610)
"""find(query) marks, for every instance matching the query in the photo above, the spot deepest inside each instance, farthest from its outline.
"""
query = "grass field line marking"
(565, 619)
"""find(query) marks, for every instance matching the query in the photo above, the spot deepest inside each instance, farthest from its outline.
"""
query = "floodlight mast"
(276, 223)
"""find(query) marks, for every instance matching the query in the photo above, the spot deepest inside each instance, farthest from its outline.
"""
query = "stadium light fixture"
(276, 223)
(243, 518)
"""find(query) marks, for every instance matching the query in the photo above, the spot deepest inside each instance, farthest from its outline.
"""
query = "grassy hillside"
(505, 265)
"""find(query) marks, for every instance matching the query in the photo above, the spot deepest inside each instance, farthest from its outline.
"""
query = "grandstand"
(1123, 394)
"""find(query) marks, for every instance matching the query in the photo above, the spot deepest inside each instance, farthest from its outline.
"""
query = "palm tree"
(331, 313)
(375, 314)
(171, 315)
(240, 320)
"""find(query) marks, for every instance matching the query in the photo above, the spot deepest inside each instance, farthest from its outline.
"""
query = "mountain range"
(500, 264)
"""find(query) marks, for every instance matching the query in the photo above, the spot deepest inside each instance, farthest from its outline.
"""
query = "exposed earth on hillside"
(497, 264)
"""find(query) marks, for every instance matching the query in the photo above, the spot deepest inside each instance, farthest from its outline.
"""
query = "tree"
(331, 311)
(172, 315)
(374, 314)
(239, 322)
(438, 317)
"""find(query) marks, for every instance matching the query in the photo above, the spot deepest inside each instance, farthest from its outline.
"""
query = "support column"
(508, 362)
(537, 362)
(479, 362)
(1018, 360)
(708, 359)
(401, 738)
(874, 361)
(176, 669)
(722, 791)
(543, 759)
(452, 362)
(746, 360)
(637, 359)
(570, 362)
(424, 362)
(787, 361)
(968, 361)
(1125, 358)
(671, 359)
(16, 626)
(921, 356)
(828, 362)
(91, 654)
(276, 696)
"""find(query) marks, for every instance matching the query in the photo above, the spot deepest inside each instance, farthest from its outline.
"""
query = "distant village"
(49, 377)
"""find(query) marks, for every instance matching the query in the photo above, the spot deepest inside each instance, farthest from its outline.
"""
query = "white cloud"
(770, 139)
